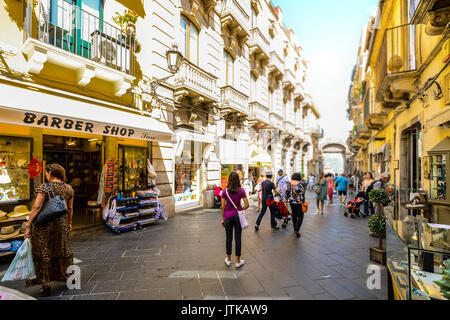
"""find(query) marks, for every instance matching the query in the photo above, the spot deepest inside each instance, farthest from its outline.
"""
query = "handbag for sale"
(53, 208)
(241, 213)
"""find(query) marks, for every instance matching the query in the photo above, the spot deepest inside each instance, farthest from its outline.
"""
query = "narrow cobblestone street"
(182, 258)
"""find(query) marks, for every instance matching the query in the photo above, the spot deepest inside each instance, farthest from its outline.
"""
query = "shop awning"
(259, 157)
(384, 152)
(233, 152)
(134, 5)
(48, 111)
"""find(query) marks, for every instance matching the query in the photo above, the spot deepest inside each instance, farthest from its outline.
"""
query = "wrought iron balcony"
(192, 81)
(83, 44)
(234, 101)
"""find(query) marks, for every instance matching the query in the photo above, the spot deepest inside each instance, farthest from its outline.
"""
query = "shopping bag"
(243, 219)
(22, 267)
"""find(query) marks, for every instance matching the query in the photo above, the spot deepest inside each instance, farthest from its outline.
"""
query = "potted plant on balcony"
(127, 23)
(377, 224)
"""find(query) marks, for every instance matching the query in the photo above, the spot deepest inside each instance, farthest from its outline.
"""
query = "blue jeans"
(367, 205)
(273, 223)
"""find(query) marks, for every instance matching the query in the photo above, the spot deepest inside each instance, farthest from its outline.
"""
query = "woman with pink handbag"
(233, 216)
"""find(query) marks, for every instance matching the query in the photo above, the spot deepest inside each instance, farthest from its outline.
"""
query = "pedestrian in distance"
(295, 194)
(321, 188)
(282, 183)
(258, 189)
(368, 205)
(232, 196)
(351, 184)
(50, 243)
(341, 184)
(330, 181)
(268, 189)
(311, 181)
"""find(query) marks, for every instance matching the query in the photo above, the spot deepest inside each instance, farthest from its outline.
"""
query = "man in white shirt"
(282, 183)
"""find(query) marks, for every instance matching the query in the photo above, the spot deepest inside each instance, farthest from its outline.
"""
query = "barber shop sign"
(41, 120)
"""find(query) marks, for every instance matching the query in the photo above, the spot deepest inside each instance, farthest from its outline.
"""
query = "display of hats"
(5, 246)
(23, 228)
(15, 245)
(21, 162)
(34, 168)
(19, 211)
(3, 215)
(8, 233)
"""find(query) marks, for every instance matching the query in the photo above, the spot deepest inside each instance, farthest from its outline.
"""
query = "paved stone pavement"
(183, 258)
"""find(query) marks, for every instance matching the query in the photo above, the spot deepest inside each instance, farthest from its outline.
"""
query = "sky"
(329, 32)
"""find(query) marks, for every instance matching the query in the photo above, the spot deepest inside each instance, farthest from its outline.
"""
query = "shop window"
(15, 155)
(133, 173)
(187, 171)
(190, 35)
(229, 67)
(438, 177)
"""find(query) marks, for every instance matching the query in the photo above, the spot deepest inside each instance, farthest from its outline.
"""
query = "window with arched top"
(190, 36)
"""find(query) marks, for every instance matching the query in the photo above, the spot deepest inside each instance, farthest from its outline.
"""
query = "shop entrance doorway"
(82, 159)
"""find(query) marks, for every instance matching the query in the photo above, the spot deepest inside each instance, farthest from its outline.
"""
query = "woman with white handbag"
(233, 216)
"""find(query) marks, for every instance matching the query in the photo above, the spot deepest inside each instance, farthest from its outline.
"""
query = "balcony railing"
(68, 27)
(233, 99)
(233, 8)
(289, 78)
(276, 61)
(258, 112)
(195, 79)
(258, 39)
(397, 53)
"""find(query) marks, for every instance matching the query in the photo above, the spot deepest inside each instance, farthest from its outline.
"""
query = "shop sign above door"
(48, 121)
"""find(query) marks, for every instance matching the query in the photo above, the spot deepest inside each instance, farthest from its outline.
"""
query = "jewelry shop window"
(15, 156)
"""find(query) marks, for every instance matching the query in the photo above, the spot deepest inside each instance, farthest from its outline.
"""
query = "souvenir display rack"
(15, 155)
(136, 210)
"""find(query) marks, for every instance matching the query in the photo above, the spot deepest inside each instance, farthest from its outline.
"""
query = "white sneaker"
(227, 262)
(240, 264)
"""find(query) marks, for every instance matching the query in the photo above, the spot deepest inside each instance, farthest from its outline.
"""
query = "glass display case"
(133, 167)
(417, 254)
(15, 156)
(438, 177)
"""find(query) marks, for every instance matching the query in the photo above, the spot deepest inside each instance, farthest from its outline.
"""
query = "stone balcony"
(376, 121)
(192, 81)
(276, 64)
(235, 17)
(276, 121)
(259, 44)
(234, 101)
(363, 134)
(289, 79)
(259, 114)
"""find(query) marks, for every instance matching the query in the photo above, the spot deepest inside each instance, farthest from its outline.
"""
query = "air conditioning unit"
(109, 51)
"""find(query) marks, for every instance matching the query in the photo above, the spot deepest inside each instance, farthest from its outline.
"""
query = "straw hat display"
(8, 233)
(19, 212)
(3, 215)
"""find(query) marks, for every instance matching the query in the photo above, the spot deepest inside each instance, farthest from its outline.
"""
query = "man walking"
(282, 183)
(267, 187)
(341, 184)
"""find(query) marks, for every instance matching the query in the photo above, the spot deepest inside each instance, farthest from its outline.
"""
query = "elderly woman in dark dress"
(50, 244)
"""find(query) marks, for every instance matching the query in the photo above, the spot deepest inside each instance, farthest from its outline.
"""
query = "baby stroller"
(281, 210)
(353, 207)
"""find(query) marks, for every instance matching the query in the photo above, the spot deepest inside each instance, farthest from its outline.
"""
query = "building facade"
(399, 102)
(84, 89)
